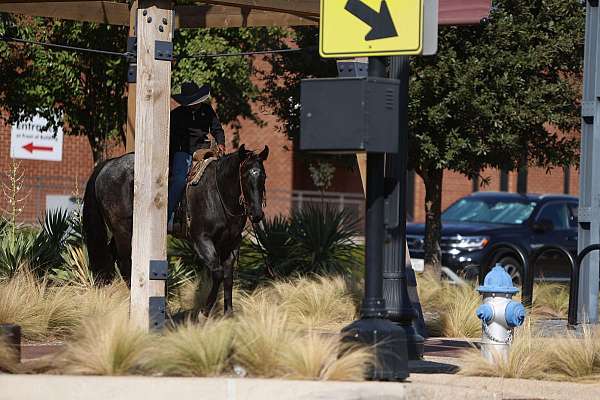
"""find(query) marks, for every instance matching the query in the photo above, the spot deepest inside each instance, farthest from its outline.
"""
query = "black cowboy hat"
(192, 94)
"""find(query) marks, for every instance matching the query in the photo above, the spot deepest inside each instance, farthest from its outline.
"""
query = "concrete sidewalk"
(418, 387)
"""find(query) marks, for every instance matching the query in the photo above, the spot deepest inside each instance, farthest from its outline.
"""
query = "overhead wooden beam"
(209, 16)
(103, 12)
(310, 7)
(194, 16)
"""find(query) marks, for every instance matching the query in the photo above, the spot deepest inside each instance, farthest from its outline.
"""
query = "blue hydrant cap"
(485, 313)
(498, 281)
(515, 314)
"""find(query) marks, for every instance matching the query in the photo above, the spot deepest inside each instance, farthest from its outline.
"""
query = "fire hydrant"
(499, 314)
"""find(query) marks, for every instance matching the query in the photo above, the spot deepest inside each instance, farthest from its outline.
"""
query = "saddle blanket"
(197, 170)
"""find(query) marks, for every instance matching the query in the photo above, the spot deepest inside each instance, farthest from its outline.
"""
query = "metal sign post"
(589, 180)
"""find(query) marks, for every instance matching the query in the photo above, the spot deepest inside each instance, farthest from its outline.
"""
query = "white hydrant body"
(499, 314)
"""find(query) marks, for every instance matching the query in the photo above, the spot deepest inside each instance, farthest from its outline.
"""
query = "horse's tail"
(95, 231)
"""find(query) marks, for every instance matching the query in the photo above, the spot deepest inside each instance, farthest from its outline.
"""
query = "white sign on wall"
(29, 141)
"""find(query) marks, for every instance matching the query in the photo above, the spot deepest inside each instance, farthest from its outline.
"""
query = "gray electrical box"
(350, 114)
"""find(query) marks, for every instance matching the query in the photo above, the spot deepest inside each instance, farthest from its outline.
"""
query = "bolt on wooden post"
(153, 90)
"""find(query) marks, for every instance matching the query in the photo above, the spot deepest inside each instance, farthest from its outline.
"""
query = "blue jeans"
(177, 180)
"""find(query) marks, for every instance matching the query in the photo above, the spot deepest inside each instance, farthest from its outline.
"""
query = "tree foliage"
(87, 92)
(495, 95)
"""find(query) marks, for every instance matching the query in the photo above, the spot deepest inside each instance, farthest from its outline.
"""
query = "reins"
(242, 200)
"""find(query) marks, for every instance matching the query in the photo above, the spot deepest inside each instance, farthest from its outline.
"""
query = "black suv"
(502, 227)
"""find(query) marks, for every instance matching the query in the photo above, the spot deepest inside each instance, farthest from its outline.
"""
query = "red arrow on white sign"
(31, 148)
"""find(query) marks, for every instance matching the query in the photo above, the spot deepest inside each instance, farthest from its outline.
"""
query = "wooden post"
(130, 134)
(153, 89)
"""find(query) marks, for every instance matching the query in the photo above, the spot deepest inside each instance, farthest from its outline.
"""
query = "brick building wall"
(43, 178)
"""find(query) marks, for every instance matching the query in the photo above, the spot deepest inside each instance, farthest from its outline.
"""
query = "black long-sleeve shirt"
(190, 127)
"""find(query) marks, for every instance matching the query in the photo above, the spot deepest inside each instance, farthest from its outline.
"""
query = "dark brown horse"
(231, 190)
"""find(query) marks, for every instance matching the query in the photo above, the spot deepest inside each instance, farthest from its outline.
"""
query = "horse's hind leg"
(228, 267)
(122, 242)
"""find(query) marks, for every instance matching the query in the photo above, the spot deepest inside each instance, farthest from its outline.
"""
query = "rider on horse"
(191, 123)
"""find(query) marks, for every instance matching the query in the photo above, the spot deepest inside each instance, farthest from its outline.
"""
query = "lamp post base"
(390, 347)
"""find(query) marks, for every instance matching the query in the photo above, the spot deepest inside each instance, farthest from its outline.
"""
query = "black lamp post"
(395, 289)
(373, 328)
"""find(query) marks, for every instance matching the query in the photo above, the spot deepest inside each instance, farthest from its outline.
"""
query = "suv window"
(557, 213)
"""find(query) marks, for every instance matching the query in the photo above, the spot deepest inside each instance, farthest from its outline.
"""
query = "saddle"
(201, 159)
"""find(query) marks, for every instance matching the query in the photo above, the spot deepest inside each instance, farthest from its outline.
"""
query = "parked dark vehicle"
(505, 228)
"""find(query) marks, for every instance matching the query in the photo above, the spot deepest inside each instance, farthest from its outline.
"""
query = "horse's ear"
(242, 152)
(264, 154)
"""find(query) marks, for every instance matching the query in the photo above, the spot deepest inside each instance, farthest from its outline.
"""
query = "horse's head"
(252, 178)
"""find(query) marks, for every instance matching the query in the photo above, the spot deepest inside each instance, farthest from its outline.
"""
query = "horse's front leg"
(208, 254)
(228, 267)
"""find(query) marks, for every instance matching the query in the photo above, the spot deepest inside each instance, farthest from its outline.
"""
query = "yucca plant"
(40, 250)
(75, 269)
(325, 238)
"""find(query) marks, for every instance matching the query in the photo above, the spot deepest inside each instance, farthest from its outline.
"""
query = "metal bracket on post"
(131, 59)
(353, 68)
(159, 270)
(163, 50)
(156, 309)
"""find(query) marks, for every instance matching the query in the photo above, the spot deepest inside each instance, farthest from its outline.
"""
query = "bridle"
(242, 200)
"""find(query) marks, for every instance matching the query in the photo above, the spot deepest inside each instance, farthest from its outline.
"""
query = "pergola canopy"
(231, 13)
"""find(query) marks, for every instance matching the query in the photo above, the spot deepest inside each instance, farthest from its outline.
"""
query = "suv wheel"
(513, 267)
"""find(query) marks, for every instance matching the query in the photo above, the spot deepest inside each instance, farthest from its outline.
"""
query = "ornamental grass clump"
(576, 358)
(261, 336)
(194, 350)
(319, 357)
(527, 358)
(323, 303)
(108, 345)
(44, 312)
(550, 300)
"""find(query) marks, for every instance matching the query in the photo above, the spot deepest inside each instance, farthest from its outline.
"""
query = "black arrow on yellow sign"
(381, 23)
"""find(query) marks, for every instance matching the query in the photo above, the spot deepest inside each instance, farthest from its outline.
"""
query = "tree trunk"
(433, 220)
(97, 146)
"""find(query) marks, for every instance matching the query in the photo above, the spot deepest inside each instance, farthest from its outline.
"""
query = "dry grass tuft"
(459, 319)
(42, 311)
(195, 350)
(452, 307)
(551, 300)
(8, 358)
(262, 334)
(320, 357)
(534, 357)
(576, 358)
(323, 303)
(526, 360)
(108, 345)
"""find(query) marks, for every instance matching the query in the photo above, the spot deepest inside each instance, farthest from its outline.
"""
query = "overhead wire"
(63, 47)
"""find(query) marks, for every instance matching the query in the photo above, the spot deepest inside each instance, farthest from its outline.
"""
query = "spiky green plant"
(271, 250)
(75, 269)
(325, 238)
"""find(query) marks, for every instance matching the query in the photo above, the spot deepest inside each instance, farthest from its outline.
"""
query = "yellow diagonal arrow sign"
(354, 28)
